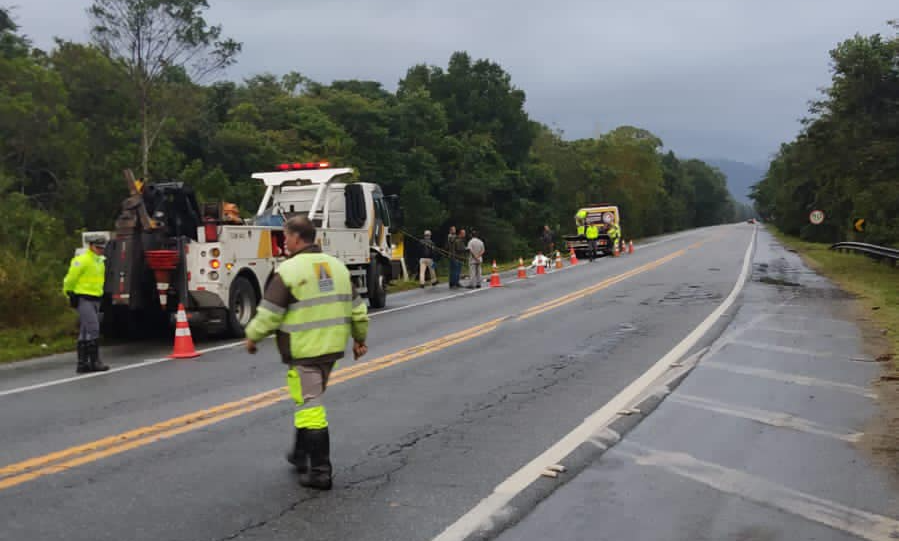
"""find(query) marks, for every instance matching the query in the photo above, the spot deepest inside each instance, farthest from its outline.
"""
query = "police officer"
(313, 308)
(83, 285)
(592, 234)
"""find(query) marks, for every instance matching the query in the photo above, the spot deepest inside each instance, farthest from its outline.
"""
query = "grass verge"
(875, 284)
(37, 340)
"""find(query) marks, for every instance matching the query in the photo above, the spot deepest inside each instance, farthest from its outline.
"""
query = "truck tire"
(377, 291)
(242, 303)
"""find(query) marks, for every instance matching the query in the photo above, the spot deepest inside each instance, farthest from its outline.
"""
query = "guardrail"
(880, 253)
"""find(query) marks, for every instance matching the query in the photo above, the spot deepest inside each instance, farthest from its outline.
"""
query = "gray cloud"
(713, 78)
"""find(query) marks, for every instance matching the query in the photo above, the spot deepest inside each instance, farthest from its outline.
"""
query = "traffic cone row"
(522, 273)
(558, 260)
(541, 269)
(494, 277)
(630, 247)
(184, 343)
(573, 257)
(615, 251)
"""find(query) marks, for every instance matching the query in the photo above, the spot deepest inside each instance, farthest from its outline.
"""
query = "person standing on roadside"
(454, 267)
(313, 309)
(83, 285)
(460, 249)
(476, 251)
(546, 237)
(426, 261)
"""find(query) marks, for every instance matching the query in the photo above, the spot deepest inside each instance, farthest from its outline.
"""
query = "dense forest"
(845, 160)
(147, 93)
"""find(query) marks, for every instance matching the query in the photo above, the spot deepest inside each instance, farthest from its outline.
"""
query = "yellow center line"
(27, 470)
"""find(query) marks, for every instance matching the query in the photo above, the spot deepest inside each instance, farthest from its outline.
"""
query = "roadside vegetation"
(845, 160)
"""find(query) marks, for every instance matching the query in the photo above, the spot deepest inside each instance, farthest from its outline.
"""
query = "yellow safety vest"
(324, 315)
(592, 232)
(86, 275)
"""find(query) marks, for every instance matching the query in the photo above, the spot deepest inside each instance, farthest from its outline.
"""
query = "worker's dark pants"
(455, 272)
(592, 244)
(88, 318)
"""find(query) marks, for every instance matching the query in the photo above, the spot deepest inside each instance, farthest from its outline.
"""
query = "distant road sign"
(860, 225)
(816, 217)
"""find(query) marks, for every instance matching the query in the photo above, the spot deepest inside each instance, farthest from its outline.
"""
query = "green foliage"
(845, 161)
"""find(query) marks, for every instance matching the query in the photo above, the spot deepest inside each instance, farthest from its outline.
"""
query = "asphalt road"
(457, 393)
(760, 442)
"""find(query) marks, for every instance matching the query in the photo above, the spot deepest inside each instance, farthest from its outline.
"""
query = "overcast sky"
(712, 78)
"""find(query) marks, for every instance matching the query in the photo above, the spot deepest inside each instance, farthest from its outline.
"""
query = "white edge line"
(150, 362)
(480, 516)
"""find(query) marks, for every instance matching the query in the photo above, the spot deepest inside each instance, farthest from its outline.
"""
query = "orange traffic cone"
(541, 268)
(558, 260)
(616, 251)
(184, 344)
(573, 257)
(522, 274)
(630, 247)
(494, 277)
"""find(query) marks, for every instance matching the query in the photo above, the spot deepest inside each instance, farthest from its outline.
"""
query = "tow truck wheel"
(377, 290)
(241, 305)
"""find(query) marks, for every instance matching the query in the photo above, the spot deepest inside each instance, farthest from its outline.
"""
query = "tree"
(150, 38)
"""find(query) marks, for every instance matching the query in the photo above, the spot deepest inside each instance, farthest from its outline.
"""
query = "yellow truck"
(604, 216)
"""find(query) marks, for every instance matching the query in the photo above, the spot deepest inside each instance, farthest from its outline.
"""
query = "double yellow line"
(571, 297)
(21, 472)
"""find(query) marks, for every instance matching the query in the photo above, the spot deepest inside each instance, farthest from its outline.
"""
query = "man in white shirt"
(475, 259)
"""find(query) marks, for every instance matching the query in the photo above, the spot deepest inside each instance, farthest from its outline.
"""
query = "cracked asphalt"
(415, 445)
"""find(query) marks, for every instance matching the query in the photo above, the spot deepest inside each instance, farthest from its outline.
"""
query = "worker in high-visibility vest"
(615, 235)
(592, 234)
(83, 285)
(581, 220)
(313, 308)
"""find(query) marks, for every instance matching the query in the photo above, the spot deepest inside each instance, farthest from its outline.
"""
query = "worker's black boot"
(298, 456)
(84, 364)
(93, 348)
(318, 445)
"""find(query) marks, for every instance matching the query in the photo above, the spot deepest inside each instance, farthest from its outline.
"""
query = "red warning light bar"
(303, 166)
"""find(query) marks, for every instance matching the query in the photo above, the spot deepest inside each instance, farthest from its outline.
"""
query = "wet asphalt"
(417, 444)
(758, 443)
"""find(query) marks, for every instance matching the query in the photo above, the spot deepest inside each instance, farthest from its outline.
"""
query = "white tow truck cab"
(167, 250)
(229, 265)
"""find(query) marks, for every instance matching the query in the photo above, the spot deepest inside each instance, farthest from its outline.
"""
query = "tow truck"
(603, 216)
(167, 250)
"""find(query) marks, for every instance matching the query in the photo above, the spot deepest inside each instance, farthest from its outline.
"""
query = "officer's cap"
(96, 240)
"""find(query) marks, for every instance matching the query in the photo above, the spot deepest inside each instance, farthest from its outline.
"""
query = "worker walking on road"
(475, 250)
(313, 308)
(426, 261)
(83, 285)
(592, 234)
